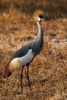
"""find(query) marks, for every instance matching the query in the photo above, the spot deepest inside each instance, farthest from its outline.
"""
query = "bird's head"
(38, 15)
(40, 18)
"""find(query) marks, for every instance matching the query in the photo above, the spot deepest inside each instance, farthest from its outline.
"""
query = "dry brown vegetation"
(48, 71)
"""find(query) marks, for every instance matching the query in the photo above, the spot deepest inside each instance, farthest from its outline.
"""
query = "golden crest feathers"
(37, 13)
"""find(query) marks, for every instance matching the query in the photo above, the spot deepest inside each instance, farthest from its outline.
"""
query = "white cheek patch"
(27, 58)
(38, 18)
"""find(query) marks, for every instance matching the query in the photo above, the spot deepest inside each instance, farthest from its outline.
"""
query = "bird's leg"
(21, 79)
(28, 76)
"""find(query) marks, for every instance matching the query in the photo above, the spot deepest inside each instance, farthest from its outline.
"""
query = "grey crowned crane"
(26, 54)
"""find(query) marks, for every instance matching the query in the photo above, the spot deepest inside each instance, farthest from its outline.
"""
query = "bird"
(26, 54)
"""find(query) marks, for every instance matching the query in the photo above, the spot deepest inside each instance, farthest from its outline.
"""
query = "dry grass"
(48, 71)
(52, 8)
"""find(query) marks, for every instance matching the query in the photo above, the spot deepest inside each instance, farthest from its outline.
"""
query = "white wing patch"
(27, 58)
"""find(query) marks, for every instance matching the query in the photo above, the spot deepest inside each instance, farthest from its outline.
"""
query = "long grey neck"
(38, 43)
(39, 39)
(40, 32)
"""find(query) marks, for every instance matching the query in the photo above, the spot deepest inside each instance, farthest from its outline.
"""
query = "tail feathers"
(6, 71)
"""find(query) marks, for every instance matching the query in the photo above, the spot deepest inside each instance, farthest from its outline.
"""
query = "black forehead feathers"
(41, 16)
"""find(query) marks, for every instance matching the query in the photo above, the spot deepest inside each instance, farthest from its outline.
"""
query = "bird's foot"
(21, 91)
(30, 87)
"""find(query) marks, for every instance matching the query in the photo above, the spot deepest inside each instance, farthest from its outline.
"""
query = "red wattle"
(40, 23)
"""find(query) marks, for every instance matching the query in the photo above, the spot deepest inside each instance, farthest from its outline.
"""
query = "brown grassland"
(48, 71)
